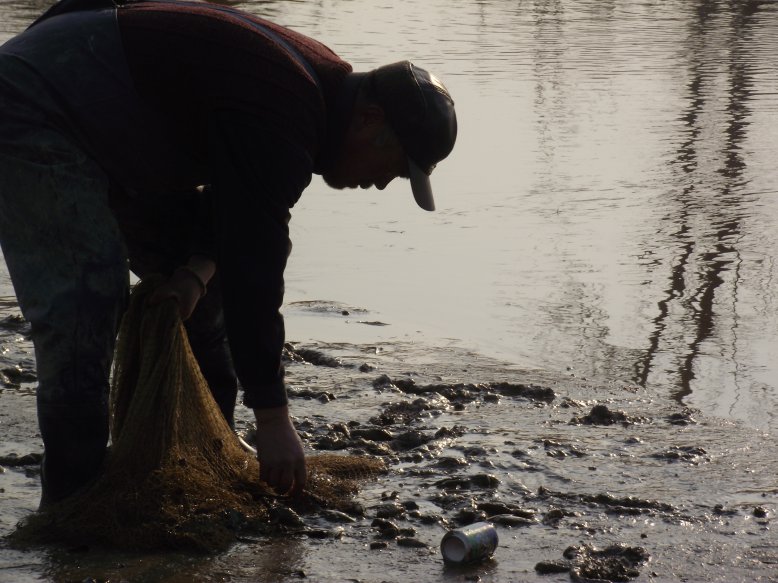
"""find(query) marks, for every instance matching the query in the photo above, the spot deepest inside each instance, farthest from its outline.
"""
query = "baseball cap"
(420, 110)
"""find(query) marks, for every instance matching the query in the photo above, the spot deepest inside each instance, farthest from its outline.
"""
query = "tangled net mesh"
(176, 475)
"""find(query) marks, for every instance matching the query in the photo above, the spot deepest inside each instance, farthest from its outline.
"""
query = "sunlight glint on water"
(610, 207)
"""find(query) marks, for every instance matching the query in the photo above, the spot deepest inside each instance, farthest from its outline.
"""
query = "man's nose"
(381, 184)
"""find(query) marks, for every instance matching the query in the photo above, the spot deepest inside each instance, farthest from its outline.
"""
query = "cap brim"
(420, 184)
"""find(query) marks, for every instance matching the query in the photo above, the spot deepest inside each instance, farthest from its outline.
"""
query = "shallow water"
(610, 208)
(609, 213)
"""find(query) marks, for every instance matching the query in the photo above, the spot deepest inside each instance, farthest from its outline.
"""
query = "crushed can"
(469, 544)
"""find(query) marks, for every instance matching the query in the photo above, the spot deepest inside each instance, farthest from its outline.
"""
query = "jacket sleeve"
(256, 177)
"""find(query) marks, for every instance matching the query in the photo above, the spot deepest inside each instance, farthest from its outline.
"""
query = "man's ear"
(372, 115)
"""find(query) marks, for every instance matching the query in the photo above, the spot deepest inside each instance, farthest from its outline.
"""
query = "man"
(113, 120)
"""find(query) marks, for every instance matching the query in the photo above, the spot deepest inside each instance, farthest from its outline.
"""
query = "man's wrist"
(192, 274)
(271, 414)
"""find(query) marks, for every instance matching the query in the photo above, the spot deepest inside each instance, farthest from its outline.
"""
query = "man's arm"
(256, 178)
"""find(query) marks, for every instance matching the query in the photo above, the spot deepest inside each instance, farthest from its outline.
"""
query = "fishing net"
(176, 475)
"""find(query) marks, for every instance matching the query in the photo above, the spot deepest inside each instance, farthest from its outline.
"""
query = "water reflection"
(610, 206)
(709, 207)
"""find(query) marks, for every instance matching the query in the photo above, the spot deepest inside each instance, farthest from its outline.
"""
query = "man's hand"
(279, 451)
(187, 285)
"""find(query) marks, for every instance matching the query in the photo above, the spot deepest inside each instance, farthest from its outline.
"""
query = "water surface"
(609, 210)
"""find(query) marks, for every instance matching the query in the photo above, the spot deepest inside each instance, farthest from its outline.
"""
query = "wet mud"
(585, 481)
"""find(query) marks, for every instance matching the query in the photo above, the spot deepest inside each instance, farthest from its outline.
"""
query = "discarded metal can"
(469, 544)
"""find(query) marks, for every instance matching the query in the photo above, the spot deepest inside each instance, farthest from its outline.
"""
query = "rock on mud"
(601, 415)
(587, 564)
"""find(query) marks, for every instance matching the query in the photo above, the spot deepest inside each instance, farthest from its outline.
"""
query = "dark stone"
(17, 375)
(617, 562)
(601, 415)
(450, 432)
(285, 517)
(485, 480)
(410, 440)
(389, 510)
(411, 542)
(760, 512)
(382, 382)
(552, 567)
(317, 533)
(684, 417)
(17, 323)
(386, 528)
(457, 483)
(683, 453)
(13, 460)
(331, 443)
(448, 462)
(317, 358)
(510, 520)
(531, 392)
(373, 434)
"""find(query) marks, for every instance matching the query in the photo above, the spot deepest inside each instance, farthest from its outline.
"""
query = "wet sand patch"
(467, 439)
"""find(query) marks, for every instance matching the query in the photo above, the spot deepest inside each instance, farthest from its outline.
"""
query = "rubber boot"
(74, 450)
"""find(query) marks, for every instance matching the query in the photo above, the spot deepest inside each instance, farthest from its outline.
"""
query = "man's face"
(368, 158)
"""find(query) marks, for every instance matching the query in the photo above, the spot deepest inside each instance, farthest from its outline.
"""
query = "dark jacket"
(217, 97)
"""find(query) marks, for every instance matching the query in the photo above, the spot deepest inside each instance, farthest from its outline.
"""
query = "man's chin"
(335, 182)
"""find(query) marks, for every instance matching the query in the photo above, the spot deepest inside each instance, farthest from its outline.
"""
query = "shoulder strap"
(268, 33)
(65, 6)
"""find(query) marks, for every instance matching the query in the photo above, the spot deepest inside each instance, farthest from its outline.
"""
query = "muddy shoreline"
(584, 480)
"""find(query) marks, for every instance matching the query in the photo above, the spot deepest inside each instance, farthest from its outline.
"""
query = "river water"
(610, 210)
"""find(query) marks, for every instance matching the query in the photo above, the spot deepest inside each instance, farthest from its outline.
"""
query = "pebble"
(551, 567)
(760, 512)
(411, 542)
(286, 517)
(387, 528)
(389, 510)
(510, 520)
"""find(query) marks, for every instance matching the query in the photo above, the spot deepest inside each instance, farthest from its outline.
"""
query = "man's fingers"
(286, 479)
(278, 478)
(284, 483)
(264, 471)
(272, 478)
(162, 293)
(300, 477)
